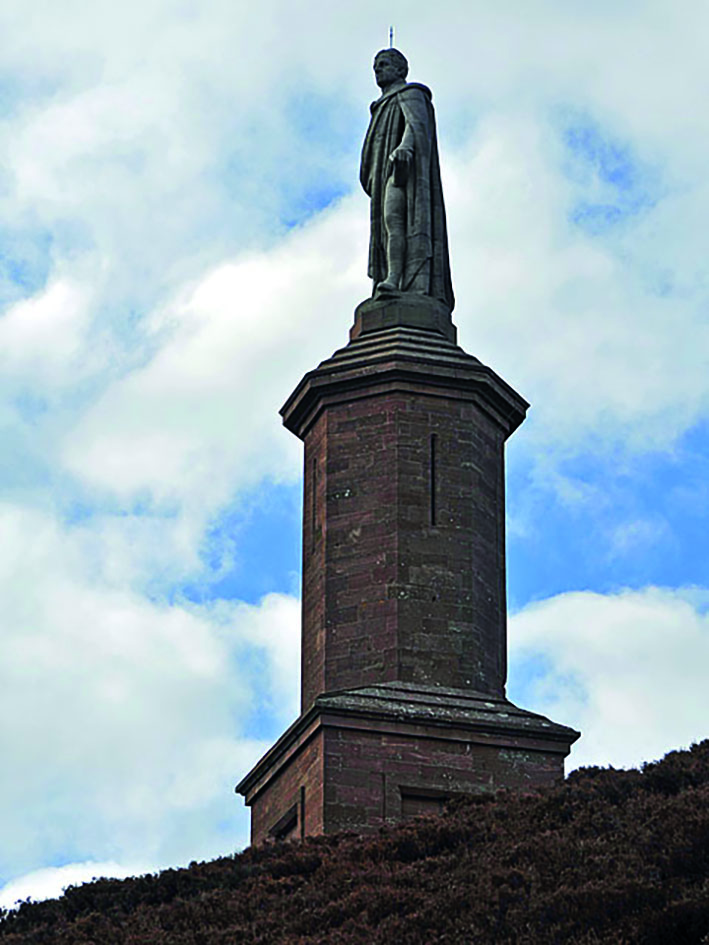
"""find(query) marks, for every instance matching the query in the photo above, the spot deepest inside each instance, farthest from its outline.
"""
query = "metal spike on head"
(391, 37)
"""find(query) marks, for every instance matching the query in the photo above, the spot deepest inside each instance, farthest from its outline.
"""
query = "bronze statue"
(408, 244)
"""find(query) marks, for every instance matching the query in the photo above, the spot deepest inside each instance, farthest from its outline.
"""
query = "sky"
(182, 237)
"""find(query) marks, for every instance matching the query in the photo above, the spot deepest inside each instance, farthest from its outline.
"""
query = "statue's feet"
(386, 288)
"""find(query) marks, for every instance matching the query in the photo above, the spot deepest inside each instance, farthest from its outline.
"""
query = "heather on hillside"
(609, 856)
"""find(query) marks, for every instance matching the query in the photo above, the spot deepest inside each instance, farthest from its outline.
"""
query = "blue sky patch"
(639, 520)
(614, 182)
(254, 548)
(25, 259)
(523, 676)
(310, 165)
(323, 131)
(20, 89)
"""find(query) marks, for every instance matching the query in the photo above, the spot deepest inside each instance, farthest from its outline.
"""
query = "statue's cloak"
(427, 266)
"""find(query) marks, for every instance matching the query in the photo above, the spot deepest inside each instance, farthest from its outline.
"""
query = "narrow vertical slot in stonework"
(432, 478)
(313, 503)
(302, 812)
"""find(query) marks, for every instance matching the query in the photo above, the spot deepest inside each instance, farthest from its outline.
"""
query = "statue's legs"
(395, 226)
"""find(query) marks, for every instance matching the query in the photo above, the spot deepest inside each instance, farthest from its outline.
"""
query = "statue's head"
(390, 66)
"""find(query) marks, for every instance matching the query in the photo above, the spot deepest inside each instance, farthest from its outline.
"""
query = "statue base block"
(364, 758)
(403, 309)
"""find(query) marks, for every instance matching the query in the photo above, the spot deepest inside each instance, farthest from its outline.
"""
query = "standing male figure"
(408, 245)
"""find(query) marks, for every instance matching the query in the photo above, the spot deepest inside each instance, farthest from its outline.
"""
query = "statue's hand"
(401, 158)
(402, 154)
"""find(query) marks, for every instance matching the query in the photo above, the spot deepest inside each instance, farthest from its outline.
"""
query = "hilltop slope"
(609, 856)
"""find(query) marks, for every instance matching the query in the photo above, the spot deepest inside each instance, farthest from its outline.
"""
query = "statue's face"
(385, 71)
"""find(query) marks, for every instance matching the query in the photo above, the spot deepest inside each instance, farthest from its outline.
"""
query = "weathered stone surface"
(404, 616)
(403, 528)
(403, 309)
(367, 755)
(291, 780)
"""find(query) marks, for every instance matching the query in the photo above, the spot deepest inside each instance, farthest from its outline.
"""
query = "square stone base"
(362, 758)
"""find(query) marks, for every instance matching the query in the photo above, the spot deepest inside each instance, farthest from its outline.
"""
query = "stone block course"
(403, 593)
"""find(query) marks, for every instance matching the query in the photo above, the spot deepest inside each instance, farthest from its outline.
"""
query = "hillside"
(609, 856)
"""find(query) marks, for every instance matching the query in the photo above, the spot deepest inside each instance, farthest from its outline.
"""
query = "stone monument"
(404, 649)
(408, 243)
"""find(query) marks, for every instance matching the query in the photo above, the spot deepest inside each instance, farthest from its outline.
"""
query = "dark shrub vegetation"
(609, 856)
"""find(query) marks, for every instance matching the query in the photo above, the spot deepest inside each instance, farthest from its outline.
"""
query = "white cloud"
(566, 318)
(155, 150)
(130, 717)
(167, 162)
(628, 670)
(270, 627)
(51, 882)
(45, 337)
(200, 419)
(560, 315)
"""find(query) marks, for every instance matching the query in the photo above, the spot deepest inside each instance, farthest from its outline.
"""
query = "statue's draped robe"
(427, 266)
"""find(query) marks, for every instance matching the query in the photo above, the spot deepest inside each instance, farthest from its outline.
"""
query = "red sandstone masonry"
(368, 773)
(388, 594)
(403, 591)
(299, 783)
(313, 589)
(356, 774)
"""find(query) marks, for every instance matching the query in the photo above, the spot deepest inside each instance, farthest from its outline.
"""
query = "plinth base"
(397, 309)
(362, 758)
